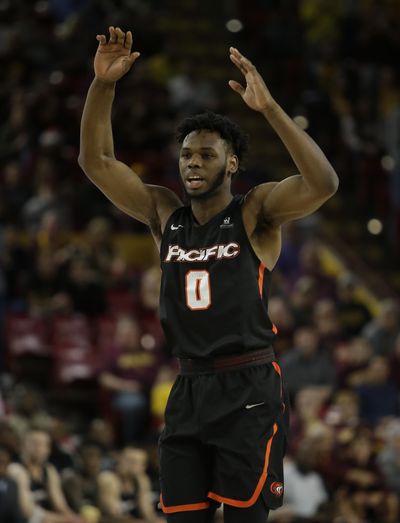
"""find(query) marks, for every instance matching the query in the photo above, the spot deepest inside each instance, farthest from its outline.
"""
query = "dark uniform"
(225, 430)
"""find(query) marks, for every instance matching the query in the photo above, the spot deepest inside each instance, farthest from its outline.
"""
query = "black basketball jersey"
(214, 289)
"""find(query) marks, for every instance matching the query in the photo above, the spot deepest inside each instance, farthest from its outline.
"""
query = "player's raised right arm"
(149, 204)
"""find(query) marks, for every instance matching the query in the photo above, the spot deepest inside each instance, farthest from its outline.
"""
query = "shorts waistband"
(192, 367)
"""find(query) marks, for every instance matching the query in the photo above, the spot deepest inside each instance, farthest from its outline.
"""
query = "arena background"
(79, 280)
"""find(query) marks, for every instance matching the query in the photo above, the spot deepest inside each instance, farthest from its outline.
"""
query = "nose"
(194, 161)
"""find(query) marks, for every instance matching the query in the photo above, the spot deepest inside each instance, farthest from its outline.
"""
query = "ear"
(233, 164)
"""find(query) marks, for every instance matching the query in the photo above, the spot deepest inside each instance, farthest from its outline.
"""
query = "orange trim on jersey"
(260, 484)
(277, 368)
(183, 508)
(274, 328)
(261, 278)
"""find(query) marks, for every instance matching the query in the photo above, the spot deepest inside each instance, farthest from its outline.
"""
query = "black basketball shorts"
(224, 440)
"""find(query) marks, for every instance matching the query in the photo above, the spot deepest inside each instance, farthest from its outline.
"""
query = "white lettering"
(210, 252)
(177, 254)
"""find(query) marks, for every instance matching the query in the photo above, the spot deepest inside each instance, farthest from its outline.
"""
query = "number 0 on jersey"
(198, 290)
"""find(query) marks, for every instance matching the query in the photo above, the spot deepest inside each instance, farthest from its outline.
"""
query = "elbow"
(90, 164)
(83, 162)
(334, 182)
(331, 184)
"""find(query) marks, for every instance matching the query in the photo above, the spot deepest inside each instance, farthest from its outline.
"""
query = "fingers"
(101, 39)
(132, 58)
(128, 40)
(236, 86)
(113, 35)
(120, 36)
(241, 62)
(117, 36)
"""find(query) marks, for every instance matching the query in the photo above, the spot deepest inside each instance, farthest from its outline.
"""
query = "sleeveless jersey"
(214, 289)
(40, 489)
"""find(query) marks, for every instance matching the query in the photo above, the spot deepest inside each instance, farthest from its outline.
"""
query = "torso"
(39, 486)
(128, 500)
(214, 290)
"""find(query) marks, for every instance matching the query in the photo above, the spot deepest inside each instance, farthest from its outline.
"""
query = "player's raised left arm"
(295, 196)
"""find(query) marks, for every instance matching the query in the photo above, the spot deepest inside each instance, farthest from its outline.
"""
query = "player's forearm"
(96, 130)
(308, 157)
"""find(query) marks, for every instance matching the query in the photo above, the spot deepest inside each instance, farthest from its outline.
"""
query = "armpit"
(264, 223)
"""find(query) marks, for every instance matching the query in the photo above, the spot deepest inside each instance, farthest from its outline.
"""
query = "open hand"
(114, 58)
(256, 93)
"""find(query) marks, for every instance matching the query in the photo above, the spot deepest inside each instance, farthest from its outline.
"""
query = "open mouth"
(194, 182)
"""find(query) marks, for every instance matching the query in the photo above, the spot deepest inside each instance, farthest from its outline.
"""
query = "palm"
(256, 93)
(114, 58)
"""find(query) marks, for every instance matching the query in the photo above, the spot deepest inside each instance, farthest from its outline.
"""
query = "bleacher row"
(74, 345)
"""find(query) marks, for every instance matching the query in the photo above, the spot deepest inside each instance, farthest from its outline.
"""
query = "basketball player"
(225, 420)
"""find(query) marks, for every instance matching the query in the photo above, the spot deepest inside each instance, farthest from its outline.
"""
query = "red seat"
(72, 330)
(26, 335)
(105, 332)
(120, 302)
(73, 363)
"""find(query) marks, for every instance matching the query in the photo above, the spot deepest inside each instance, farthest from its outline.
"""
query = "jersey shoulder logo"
(176, 227)
(227, 223)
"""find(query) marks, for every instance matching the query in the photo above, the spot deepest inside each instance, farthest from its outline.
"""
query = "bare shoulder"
(166, 202)
(107, 479)
(17, 472)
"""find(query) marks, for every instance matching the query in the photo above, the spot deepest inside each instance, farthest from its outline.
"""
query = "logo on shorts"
(276, 489)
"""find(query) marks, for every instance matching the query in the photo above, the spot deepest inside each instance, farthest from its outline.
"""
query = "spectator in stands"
(80, 481)
(308, 364)
(16, 264)
(383, 331)
(388, 459)
(98, 246)
(28, 409)
(302, 300)
(353, 315)
(344, 412)
(9, 437)
(102, 433)
(85, 288)
(363, 495)
(10, 510)
(281, 315)
(39, 483)
(304, 488)
(61, 444)
(125, 494)
(311, 266)
(45, 197)
(44, 284)
(327, 323)
(379, 396)
(128, 371)
(352, 358)
(306, 417)
(394, 360)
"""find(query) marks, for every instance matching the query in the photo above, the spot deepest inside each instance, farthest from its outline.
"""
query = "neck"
(204, 210)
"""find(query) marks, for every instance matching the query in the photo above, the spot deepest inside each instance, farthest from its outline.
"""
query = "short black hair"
(229, 131)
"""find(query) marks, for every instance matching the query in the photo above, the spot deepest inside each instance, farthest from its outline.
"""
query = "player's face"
(205, 164)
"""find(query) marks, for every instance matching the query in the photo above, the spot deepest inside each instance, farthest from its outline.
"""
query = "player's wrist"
(106, 84)
(270, 109)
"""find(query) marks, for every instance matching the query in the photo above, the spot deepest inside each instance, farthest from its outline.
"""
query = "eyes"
(205, 156)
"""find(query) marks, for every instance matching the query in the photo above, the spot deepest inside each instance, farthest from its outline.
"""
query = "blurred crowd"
(84, 369)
